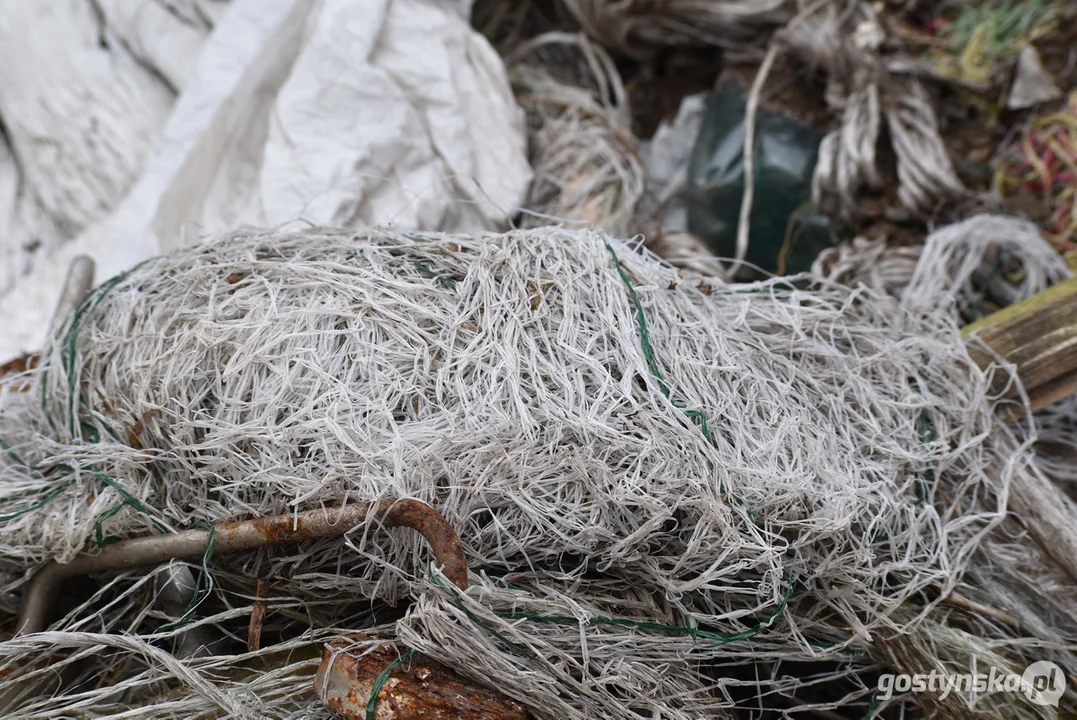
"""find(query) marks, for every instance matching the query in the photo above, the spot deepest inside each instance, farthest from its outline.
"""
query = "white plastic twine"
(953, 253)
(732, 474)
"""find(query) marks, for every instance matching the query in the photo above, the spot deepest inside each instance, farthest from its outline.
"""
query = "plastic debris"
(975, 41)
(846, 464)
(787, 232)
(79, 115)
(415, 125)
(667, 155)
(1032, 84)
(165, 36)
(1042, 165)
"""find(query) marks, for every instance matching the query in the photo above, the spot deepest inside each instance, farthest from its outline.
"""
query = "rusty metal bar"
(421, 688)
(76, 287)
(248, 535)
(258, 616)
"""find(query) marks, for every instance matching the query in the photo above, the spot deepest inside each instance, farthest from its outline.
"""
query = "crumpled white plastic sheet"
(389, 112)
(79, 115)
(667, 155)
(164, 35)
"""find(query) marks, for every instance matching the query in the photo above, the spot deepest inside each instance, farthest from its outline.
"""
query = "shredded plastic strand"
(663, 481)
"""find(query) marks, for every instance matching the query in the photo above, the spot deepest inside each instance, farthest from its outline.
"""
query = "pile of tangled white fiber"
(678, 498)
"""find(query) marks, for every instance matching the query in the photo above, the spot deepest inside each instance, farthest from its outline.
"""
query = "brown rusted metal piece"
(249, 535)
(420, 689)
(76, 286)
(258, 616)
(27, 361)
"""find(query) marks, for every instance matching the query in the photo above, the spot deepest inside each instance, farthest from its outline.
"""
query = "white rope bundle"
(954, 267)
(871, 263)
(789, 473)
(860, 88)
(953, 254)
(639, 27)
(588, 173)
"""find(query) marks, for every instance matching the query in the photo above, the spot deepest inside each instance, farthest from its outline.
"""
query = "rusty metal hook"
(248, 535)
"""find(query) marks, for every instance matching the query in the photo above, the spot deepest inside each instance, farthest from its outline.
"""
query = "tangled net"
(670, 490)
(1043, 163)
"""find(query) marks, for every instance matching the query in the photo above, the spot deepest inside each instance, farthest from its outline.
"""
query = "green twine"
(644, 333)
(516, 647)
(202, 585)
(652, 364)
(425, 270)
(53, 493)
(68, 357)
(872, 707)
(1006, 24)
(39, 504)
(694, 632)
(12, 454)
(66, 470)
(68, 349)
(379, 682)
(927, 436)
(127, 500)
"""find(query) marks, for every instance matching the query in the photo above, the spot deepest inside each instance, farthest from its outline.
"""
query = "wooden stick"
(1037, 335)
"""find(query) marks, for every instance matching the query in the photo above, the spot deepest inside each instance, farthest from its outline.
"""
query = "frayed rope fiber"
(693, 473)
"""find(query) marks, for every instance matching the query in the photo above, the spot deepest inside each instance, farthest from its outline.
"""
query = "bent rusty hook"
(248, 535)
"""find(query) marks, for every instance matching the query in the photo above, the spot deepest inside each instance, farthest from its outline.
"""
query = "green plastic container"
(785, 155)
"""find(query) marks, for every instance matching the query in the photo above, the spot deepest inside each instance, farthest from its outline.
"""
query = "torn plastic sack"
(100, 103)
(787, 231)
(163, 35)
(333, 112)
(78, 114)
